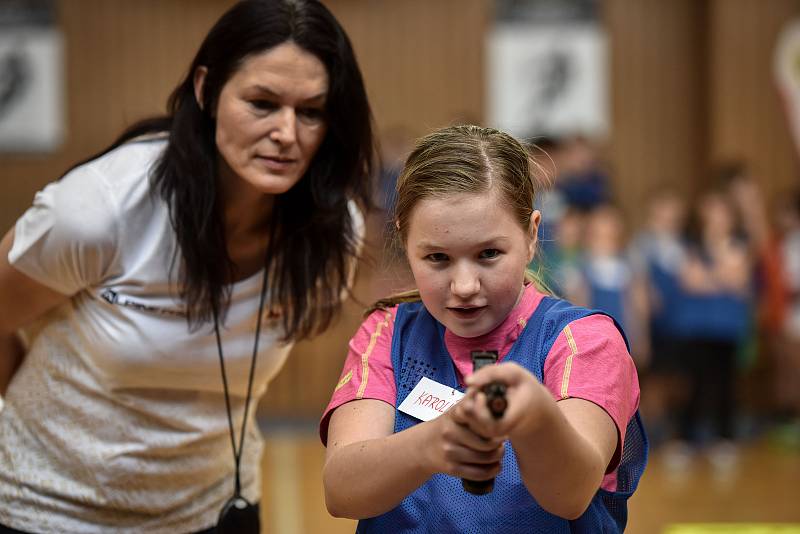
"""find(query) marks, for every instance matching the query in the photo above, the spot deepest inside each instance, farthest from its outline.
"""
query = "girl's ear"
(533, 230)
(199, 83)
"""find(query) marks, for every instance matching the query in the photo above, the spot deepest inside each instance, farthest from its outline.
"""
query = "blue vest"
(441, 505)
(716, 316)
(663, 322)
(722, 315)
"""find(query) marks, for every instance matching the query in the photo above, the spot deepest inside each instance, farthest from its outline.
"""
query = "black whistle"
(496, 402)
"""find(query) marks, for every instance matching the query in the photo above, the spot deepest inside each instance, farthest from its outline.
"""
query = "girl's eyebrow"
(486, 243)
(427, 245)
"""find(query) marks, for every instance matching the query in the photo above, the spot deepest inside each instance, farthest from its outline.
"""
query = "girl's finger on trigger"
(480, 409)
(487, 374)
(477, 379)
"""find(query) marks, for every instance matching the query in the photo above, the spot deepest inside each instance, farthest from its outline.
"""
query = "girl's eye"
(436, 257)
(489, 253)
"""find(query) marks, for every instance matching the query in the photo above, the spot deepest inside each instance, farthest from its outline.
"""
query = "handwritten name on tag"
(429, 399)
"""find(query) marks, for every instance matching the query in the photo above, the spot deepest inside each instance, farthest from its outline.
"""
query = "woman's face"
(270, 118)
(468, 255)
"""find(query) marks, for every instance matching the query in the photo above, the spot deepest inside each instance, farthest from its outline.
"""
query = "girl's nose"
(465, 283)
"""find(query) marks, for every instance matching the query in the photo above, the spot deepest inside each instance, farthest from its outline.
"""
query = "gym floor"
(758, 494)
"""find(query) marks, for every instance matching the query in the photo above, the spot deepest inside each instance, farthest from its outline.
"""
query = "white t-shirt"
(116, 419)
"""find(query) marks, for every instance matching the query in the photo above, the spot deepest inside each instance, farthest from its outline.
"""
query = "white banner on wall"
(548, 79)
(31, 89)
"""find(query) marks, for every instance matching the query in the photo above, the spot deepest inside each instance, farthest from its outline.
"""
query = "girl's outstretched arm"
(563, 449)
(369, 469)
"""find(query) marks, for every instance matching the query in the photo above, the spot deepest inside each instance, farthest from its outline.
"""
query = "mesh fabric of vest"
(441, 504)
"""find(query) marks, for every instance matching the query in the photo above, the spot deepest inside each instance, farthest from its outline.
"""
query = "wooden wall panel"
(746, 121)
(422, 60)
(657, 102)
(423, 67)
(690, 83)
(692, 86)
(122, 59)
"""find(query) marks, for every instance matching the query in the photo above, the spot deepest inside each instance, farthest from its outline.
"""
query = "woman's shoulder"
(111, 177)
(122, 177)
(88, 209)
(127, 163)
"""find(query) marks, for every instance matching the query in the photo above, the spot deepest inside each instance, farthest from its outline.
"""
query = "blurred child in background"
(559, 264)
(713, 319)
(607, 280)
(787, 347)
(658, 253)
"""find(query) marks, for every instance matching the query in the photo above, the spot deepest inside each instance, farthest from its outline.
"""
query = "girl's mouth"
(466, 312)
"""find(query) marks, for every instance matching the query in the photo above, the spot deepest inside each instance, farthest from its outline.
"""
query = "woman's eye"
(263, 105)
(311, 115)
(436, 257)
(489, 253)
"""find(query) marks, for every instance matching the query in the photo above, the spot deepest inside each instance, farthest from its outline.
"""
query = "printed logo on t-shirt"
(112, 297)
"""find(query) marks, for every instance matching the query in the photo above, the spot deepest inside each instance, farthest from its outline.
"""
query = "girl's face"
(270, 118)
(716, 215)
(666, 214)
(468, 255)
(604, 232)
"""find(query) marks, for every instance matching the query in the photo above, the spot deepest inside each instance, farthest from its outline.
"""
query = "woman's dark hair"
(312, 242)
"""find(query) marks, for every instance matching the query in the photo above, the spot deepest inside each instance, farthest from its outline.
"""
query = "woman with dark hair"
(149, 295)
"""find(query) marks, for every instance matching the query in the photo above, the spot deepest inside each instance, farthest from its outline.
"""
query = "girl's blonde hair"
(465, 159)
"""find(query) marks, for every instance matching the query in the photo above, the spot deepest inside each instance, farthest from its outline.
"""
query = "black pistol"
(496, 402)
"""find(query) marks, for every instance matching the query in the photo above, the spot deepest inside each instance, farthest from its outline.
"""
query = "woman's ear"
(199, 84)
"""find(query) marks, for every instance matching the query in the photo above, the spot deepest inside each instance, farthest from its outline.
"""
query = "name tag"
(429, 399)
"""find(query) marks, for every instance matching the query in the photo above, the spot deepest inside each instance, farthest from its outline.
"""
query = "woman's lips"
(276, 163)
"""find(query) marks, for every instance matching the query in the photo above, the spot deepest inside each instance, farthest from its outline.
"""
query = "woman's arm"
(563, 449)
(21, 301)
(369, 469)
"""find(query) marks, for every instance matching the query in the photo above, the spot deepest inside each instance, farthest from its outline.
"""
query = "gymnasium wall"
(690, 85)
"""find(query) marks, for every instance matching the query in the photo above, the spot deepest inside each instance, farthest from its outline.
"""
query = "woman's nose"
(284, 128)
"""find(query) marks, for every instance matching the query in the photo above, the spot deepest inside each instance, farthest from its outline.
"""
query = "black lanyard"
(238, 515)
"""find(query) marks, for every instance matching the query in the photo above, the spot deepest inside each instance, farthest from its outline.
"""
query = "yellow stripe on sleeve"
(365, 356)
(345, 379)
(568, 365)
